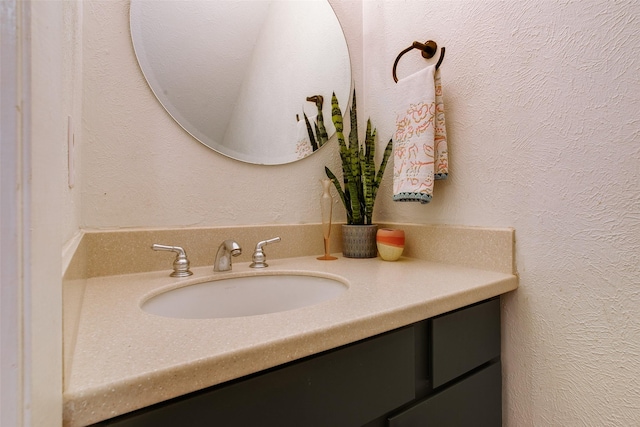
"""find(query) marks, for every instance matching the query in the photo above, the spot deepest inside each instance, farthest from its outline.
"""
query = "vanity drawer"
(344, 387)
(463, 340)
(475, 401)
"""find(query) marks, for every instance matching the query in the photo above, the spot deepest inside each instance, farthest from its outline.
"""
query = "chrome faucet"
(259, 258)
(226, 249)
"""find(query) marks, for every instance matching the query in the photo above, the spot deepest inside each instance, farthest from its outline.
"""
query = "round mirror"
(236, 74)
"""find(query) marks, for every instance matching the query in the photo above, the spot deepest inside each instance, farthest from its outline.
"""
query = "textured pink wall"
(542, 106)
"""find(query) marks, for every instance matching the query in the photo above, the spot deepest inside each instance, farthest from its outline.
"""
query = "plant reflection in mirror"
(318, 134)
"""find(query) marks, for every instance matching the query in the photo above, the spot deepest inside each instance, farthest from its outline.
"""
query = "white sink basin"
(243, 296)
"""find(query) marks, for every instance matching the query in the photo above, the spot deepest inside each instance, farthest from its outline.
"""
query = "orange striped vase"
(390, 243)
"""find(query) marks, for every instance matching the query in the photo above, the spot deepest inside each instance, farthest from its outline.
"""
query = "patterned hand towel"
(420, 142)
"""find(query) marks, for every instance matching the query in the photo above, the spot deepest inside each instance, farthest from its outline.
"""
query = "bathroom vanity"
(408, 341)
(443, 371)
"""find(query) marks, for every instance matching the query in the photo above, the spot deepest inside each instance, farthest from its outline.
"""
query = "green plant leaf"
(383, 165)
(369, 172)
(341, 194)
(336, 117)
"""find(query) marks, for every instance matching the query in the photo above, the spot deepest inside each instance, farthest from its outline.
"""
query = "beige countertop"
(124, 358)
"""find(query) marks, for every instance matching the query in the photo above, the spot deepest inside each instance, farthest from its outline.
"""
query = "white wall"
(542, 100)
(70, 105)
(51, 212)
(139, 168)
(542, 106)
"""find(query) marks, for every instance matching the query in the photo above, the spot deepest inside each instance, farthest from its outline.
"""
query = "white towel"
(420, 142)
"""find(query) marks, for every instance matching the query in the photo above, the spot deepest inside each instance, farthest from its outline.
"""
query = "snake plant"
(361, 182)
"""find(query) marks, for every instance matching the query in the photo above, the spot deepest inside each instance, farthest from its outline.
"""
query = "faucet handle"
(180, 264)
(259, 258)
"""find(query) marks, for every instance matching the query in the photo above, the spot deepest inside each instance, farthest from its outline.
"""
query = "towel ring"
(428, 48)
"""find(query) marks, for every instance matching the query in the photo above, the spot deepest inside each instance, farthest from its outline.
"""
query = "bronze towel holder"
(428, 48)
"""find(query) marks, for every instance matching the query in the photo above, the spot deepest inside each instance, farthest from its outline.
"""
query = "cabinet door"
(463, 340)
(476, 401)
(345, 387)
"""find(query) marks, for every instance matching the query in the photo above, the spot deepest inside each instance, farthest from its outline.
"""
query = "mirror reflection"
(236, 74)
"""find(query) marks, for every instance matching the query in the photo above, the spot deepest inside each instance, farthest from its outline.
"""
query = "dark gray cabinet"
(471, 402)
(463, 340)
(443, 371)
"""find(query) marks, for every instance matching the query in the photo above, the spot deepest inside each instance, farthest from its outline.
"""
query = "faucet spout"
(226, 250)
